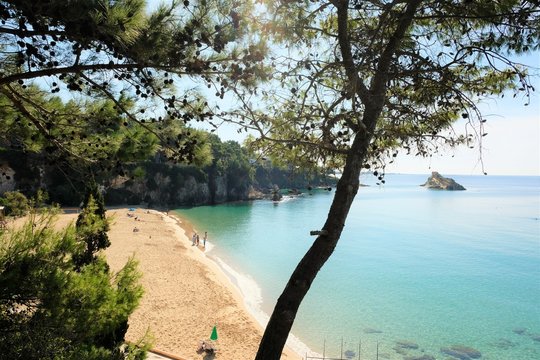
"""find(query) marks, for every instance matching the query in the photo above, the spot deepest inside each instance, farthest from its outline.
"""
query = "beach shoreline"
(186, 291)
(237, 284)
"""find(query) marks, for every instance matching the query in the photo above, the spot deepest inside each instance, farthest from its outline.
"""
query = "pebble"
(372, 331)
(421, 357)
(462, 352)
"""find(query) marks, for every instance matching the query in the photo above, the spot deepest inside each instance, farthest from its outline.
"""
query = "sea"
(417, 274)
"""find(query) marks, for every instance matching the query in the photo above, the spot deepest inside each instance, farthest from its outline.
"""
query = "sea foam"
(252, 294)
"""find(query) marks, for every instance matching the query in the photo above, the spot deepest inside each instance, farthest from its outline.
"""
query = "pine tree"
(52, 308)
(92, 226)
(139, 61)
(363, 80)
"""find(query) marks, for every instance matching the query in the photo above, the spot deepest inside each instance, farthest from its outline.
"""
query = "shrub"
(50, 308)
(16, 203)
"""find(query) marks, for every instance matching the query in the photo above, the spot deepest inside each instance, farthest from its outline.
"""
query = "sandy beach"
(186, 293)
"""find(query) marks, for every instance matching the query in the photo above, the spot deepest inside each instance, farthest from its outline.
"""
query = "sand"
(186, 293)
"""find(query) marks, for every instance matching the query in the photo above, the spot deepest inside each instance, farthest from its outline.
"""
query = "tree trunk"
(282, 318)
(284, 313)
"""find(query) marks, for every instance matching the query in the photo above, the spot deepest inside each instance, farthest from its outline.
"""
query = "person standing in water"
(204, 239)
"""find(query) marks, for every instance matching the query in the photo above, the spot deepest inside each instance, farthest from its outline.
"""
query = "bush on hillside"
(15, 203)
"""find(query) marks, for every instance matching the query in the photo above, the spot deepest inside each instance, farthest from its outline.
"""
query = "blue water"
(435, 268)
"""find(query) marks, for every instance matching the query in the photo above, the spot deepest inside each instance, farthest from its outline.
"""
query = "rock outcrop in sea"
(437, 181)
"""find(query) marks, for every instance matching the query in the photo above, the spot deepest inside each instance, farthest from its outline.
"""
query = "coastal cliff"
(439, 182)
(154, 183)
(149, 183)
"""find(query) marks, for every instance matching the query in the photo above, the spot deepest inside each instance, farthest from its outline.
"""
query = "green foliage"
(125, 77)
(139, 172)
(126, 68)
(232, 162)
(81, 135)
(158, 181)
(194, 143)
(92, 227)
(16, 203)
(349, 60)
(48, 310)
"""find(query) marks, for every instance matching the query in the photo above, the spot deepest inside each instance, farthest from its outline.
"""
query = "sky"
(512, 146)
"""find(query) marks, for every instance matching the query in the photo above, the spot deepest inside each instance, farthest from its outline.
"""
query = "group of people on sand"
(195, 239)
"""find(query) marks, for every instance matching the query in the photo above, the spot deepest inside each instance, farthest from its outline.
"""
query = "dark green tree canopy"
(137, 67)
(52, 308)
(92, 226)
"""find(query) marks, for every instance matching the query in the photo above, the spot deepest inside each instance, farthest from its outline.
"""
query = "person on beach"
(204, 239)
(193, 239)
(198, 239)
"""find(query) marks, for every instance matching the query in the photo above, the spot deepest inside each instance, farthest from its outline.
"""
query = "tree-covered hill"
(223, 171)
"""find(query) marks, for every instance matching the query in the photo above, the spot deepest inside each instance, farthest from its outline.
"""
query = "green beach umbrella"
(213, 336)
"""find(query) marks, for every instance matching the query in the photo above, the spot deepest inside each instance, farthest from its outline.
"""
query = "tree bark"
(284, 313)
(282, 318)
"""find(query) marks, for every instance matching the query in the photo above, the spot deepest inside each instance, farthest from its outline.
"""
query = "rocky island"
(437, 181)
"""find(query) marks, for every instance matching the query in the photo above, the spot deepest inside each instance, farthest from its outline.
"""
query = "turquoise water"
(434, 268)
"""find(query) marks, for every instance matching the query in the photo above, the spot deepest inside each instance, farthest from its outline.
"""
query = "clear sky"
(512, 146)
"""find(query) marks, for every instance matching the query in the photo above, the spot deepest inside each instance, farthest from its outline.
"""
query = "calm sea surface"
(433, 268)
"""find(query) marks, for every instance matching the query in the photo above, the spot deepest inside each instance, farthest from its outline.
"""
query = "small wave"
(250, 290)
(252, 294)
(287, 198)
(209, 247)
